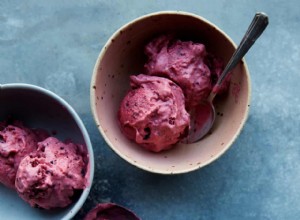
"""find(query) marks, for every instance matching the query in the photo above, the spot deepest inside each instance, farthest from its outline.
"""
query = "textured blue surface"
(54, 44)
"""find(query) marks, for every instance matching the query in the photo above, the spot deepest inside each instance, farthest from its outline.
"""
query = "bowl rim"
(93, 96)
(79, 203)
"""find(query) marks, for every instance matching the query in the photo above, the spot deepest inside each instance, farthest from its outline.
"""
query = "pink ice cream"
(192, 69)
(16, 142)
(216, 66)
(186, 63)
(153, 113)
(50, 176)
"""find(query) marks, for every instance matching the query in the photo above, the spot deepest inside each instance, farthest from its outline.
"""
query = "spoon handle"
(255, 29)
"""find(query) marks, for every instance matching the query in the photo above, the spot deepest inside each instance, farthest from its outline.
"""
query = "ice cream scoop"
(183, 62)
(51, 176)
(153, 113)
(16, 142)
(203, 115)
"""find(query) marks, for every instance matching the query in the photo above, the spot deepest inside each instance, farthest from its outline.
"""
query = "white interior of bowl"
(123, 55)
(40, 108)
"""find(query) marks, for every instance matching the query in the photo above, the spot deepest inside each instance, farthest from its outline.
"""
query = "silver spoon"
(203, 117)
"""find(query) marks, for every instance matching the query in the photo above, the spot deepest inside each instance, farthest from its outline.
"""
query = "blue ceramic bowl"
(40, 108)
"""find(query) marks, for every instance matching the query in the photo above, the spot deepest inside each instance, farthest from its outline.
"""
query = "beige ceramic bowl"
(123, 55)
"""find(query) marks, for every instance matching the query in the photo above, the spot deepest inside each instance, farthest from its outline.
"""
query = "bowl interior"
(123, 55)
(39, 108)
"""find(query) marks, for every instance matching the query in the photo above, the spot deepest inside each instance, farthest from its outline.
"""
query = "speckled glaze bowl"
(123, 55)
(40, 108)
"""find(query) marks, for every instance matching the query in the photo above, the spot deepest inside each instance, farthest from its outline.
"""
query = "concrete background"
(54, 44)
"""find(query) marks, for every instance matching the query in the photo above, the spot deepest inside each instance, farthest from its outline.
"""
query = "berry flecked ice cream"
(45, 172)
(186, 63)
(16, 141)
(153, 113)
(51, 176)
(145, 110)
(216, 66)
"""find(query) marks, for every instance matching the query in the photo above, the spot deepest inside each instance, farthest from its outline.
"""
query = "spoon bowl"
(202, 120)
